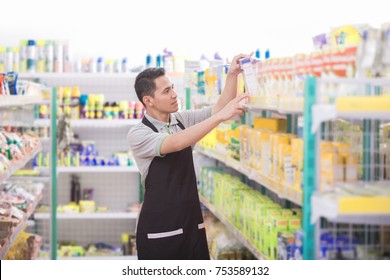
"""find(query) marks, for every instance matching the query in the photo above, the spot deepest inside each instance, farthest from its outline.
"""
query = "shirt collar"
(160, 125)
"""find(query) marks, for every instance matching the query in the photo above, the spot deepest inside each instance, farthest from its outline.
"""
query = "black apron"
(170, 224)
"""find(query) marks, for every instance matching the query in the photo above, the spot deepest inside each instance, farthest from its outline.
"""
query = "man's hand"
(233, 108)
(235, 68)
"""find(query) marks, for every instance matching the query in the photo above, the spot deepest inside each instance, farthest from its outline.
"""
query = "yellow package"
(275, 125)
(252, 147)
(244, 145)
(87, 206)
(276, 139)
(257, 152)
(287, 174)
(297, 161)
(265, 152)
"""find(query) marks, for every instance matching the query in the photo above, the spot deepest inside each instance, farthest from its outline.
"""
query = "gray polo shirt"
(145, 143)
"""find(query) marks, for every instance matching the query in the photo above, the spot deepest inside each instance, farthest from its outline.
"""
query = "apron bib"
(170, 224)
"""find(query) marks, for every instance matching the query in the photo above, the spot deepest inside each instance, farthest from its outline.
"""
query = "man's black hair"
(145, 82)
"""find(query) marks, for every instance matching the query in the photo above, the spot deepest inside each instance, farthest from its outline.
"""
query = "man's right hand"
(233, 108)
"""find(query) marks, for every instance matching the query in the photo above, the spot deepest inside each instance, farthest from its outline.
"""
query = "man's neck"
(164, 117)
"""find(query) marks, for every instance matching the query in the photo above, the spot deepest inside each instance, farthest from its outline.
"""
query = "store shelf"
(29, 178)
(76, 75)
(11, 101)
(18, 229)
(92, 169)
(327, 112)
(373, 210)
(238, 234)
(283, 191)
(73, 75)
(88, 216)
(95, 123)
(19, 164)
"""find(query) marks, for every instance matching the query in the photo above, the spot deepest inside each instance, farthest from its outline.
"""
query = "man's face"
(165, 98)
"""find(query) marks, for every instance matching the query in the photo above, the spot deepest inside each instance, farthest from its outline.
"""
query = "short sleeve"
(144, 142)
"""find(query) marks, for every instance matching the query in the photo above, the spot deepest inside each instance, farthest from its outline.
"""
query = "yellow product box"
(287, 213)
(252, 147)
(265, 148)
(261, 221)
(70, 208)
(244, 144)
(87, 206)
(280, 169)
(294, 223)
(278, 224)
(286, 166)
(71, 251)
(349, 161)
(257, 150)
(275, 125)
(276, 139)
(256, 222)
(363, 103)
(331, 165)
(297, 160)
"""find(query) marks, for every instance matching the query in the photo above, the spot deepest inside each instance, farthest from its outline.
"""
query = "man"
(170, 223)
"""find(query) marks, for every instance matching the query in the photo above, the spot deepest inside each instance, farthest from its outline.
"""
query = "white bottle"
(49, 56)
(8, 60)
(58, 57)
(16, 64)
(66, 57)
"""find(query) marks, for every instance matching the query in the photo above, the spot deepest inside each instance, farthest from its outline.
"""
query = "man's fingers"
(242, 96)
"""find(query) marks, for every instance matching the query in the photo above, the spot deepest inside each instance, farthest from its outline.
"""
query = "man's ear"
(147, 100)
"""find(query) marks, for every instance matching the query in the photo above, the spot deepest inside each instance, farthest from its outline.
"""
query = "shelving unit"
(352, 210)
(17, 230)
(20, 164)
(233, 229)
(93, 123)
(348, 208)
(15, 101)
(17, 111)
(353, 207)
(283, 191)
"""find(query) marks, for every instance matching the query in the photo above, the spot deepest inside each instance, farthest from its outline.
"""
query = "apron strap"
(146, 122)
(180, 124)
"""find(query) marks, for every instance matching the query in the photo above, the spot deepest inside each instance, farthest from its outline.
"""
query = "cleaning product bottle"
(267, 54)
(75, 190)
(40, 56)
(168, 61)
(31, 59)
(49, 56)
(58, 57)
(148, 60)
(23, 56)
(158, 61)
(124, 66)
(257, 54)
(75, 103)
